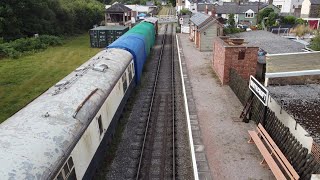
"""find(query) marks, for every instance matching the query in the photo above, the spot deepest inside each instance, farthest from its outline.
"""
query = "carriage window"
(124, 81)
(130, 73)
(100, 125)
(60, 177)
(67, 172)
(132, 68)
(70, 163)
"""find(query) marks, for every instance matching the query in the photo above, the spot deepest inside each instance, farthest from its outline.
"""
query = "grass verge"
(23, 79)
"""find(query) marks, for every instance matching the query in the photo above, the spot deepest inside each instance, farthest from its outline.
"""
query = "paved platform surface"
(220, 137)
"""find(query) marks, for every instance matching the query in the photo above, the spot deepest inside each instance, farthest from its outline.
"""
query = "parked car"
(244, 27)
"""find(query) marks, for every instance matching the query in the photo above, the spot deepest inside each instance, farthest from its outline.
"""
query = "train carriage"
(58, 134)
(65, 132)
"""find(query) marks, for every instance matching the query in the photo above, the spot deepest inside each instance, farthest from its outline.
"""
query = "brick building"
(231, 53)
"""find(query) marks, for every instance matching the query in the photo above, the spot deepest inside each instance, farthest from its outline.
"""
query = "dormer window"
(249, 15)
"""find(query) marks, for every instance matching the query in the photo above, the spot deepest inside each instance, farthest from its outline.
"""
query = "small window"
(60, 177)
(100, 125)
(124, 81)
(70, 163)
(249, 15)
(241, 54)
(279, 6)
(218, 31)
(130, 73)
(66, 169)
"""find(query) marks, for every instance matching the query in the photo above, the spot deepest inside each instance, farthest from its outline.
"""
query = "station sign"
(259, 90)
(181, 21)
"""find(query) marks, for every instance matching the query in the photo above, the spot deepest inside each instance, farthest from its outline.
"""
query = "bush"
(232, 30)
(301, 30)
(15, 49)
(289, 20)
(315, 43)
(178, 30)
(184, 11)
(301, 21)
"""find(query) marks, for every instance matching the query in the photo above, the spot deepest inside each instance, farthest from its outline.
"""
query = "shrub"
(185, 11)
(301, 30)
(315, 43)
(289, 20)
(231, 30)
(16, 48)
(301, 21)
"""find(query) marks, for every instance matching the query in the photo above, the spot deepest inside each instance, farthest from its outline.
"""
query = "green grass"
(23, 79)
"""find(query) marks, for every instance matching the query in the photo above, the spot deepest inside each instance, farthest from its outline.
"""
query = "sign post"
(262, 94)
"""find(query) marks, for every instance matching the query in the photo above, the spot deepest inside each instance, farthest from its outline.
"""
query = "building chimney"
(206, 9)
(213, 12)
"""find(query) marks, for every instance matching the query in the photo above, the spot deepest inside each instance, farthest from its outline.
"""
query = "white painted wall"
(290, 122)
(305, 9)
(279, 2)
(287, 5)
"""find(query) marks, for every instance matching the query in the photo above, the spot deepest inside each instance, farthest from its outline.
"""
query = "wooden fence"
(303, 162)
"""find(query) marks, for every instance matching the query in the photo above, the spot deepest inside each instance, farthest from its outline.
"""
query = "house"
(203, 29)
(206, 8)
(118, 14)
(289, 7)
(187, 4)
(310, 9)
(244, 13)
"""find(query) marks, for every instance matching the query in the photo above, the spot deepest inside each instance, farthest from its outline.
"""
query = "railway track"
(155, 144)
(157, 157)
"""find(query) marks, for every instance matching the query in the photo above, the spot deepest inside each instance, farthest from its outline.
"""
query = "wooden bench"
(272, 155)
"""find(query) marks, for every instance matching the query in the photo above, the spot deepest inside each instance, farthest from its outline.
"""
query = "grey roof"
(199, 18)
(271, 43)
(35, 140)
(235, 8)
(202, 7)
(118, 8)
(315, 1)
(302, 103)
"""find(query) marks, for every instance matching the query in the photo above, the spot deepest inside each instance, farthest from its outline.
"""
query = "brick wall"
(239, 57)
(197, 39)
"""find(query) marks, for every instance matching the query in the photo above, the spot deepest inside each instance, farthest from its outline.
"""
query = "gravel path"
(223, 134)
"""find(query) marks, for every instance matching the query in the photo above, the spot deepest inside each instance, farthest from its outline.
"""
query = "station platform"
(218, 134)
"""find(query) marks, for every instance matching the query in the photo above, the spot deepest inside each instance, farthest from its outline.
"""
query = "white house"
(289, 6)
(186, 4)
(310, 9)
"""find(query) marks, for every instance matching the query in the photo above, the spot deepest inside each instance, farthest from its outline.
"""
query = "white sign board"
(259, 90)
(181, 21)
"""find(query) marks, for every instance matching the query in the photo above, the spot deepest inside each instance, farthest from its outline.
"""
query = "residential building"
(291, 7)
(187, 4)
(203, 29)
(244, 13)
(310, 9)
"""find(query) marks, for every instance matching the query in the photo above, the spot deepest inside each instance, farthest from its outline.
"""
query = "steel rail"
(173, 108)
(151, 103)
